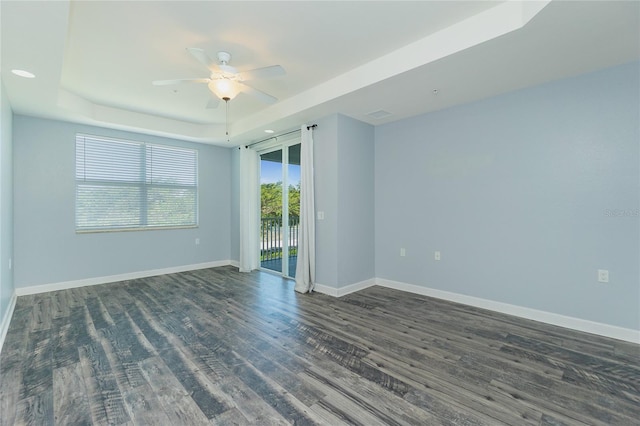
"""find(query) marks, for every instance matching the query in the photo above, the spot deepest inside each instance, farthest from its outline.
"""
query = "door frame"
(280, 143)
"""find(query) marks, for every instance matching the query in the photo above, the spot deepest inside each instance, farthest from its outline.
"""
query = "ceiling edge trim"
(489, 24)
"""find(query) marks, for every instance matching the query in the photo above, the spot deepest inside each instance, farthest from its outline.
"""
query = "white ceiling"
(95, 61)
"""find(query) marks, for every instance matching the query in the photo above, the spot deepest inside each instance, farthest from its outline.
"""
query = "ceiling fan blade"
(213, 102)
(203, 58)
(179, 81)
(268, 99)
(266, 72)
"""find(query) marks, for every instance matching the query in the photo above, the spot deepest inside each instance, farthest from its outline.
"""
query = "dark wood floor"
(216, 346)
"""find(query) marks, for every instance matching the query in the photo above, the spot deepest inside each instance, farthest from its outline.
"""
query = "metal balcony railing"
(271, 237)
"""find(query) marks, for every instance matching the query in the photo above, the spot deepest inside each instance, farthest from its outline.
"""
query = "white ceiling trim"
(497, 21)
(124, 119)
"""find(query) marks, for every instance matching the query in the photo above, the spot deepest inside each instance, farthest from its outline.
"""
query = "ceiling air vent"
(379, 114)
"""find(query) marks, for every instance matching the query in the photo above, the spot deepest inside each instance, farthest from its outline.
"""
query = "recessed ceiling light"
(23, 73)
(268, 131)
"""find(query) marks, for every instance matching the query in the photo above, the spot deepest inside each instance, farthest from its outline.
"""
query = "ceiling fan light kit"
(225, 81)
(224, 88)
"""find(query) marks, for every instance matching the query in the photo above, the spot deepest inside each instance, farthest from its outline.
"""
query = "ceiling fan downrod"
(226, 100)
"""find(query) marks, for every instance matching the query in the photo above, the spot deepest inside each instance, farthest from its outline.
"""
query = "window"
(124, 185)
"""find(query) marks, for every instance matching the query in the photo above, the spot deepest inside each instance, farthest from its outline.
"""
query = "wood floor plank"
(9, 395)
(69, 334)
(342, 403)
(208, 403)
(36, 409)
(37, 372)
(472, 397)
(99, 316)
(249, 404)
(105, 398)
(234, 417)
(215, 346)
(70, 402)
(176, 402)
(41, 314)
(60, 304)
(516, 396)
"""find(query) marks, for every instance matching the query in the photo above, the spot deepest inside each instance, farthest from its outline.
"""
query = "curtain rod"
(313, 126)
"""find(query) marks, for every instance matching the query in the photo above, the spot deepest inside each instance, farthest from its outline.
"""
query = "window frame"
(142, 184)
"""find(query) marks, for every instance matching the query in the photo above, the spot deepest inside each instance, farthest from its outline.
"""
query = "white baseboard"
(343, 291)
(325, 289)
(578, 324)
(235, 263)
(43, 288)
(6, 319)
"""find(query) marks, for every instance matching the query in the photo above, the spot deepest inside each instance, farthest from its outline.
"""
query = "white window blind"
(123, 185)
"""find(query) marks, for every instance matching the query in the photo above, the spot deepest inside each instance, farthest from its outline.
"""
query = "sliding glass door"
(280, 207)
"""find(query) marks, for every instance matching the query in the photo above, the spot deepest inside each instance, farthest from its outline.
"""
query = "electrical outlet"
(436, 255)
(403, 252)
(320, 215)
(603, 276)
(10, 263)
(197, 241)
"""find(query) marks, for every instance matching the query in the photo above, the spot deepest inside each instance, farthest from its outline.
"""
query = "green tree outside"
(271, 200)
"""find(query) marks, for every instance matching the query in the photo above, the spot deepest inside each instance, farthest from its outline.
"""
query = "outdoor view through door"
(280, 198)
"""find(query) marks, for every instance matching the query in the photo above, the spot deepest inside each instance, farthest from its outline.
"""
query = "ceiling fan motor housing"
(224, 57)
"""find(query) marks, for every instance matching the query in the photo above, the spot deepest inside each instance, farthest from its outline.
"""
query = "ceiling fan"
(226, 81)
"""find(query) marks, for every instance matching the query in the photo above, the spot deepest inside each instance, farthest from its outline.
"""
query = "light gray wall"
(6, 203)
(356, 228)
(47, 249)
(325, 167)
(526, 195)
(235, 205)
(344, 191)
